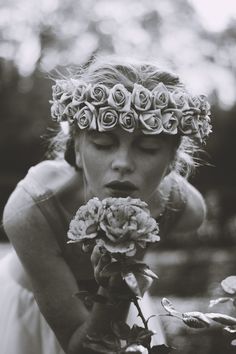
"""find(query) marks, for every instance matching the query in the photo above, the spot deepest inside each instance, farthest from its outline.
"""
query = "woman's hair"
(110, 71)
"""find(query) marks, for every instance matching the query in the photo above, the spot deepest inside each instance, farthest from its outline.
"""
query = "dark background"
(39, 38)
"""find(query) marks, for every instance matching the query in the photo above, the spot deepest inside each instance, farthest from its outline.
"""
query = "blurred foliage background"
(39, 37)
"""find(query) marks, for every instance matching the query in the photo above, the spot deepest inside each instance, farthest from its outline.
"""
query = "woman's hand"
(99, 262)
(116, 282)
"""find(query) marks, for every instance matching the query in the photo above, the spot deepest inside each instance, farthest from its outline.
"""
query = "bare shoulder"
(194, 207)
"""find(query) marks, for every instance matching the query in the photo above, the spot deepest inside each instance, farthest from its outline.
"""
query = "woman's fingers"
(99, 261)
(95, 256)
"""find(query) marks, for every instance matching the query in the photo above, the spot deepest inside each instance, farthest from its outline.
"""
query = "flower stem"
(135, 301)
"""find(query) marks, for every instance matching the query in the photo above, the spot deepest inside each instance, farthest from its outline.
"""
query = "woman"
(130, 126)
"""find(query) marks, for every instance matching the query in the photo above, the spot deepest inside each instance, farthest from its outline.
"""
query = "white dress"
(23, 329)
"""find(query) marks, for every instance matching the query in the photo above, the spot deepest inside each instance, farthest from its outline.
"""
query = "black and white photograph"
(118, 177)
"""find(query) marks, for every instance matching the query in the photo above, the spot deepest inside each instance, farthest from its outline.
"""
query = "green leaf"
(222, 319)
(195, 319)
(161, 349)
(229, 284)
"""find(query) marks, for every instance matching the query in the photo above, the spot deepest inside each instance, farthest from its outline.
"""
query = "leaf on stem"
(140, 335)
(222, 319)
(132, 283)
(195, 319)
(168, 306)
(220, 300)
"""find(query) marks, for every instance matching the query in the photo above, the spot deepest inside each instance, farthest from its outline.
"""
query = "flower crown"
(163, 110)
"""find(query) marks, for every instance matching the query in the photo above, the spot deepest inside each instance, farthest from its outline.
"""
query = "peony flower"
(119, 98)
(98, 94)
(137, 349)
(80, 93)
(107, 119)
(128, 120)
(170, 120)
(141, 98)
(126, 223)
(151, 122)
(160, 96)
(85, 224)
(86, 117)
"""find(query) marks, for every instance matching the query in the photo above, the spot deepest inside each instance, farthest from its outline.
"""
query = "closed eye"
(102, 146)
(149, 150)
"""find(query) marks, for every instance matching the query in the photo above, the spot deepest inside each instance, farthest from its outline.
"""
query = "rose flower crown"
(165, 109)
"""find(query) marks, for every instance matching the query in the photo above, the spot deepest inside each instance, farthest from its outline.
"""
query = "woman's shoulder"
(186, 204)
(51, 173)
(29, 215)
(194, 207)
(39, 184)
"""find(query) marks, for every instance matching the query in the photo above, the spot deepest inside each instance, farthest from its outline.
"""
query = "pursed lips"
(125, 186)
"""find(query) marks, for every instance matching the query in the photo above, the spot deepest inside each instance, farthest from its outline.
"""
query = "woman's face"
(121, 164)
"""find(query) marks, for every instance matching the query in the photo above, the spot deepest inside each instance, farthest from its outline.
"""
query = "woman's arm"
(54, 285)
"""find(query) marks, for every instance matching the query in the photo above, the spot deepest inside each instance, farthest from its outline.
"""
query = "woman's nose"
(123, 162)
